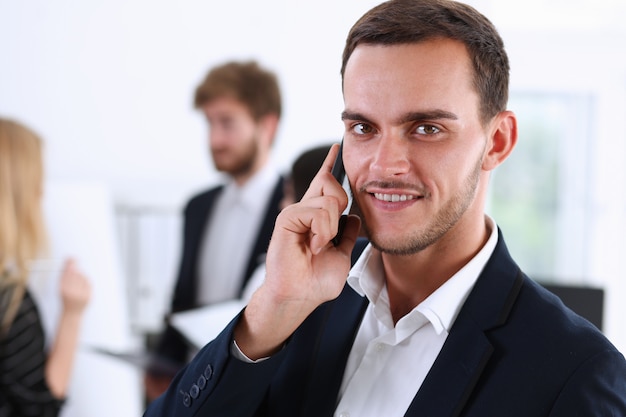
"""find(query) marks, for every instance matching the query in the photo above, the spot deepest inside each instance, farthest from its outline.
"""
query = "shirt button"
(380, 348)
(344, 414)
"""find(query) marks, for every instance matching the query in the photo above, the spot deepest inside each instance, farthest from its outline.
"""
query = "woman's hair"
(22, 234)
(397, 22)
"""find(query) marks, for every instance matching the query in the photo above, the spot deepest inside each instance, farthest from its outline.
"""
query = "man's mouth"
(394, 198)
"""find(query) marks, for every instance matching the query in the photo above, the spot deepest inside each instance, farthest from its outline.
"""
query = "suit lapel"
(264, 235)
(197, 224)
(454, 373)
(196, 216)
(467, 350)
(341, 324)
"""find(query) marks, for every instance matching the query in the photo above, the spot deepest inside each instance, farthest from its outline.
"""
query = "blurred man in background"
(226, 228)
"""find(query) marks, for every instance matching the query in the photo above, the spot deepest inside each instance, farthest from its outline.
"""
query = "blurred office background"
(108, 85)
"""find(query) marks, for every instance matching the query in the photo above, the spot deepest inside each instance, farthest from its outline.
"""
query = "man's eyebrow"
(346, 115)
(435, 114)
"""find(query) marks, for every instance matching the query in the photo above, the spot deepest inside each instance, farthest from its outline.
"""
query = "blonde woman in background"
(33, 382)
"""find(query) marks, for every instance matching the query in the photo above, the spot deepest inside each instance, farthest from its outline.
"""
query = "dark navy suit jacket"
(514, 351)
(173, 350)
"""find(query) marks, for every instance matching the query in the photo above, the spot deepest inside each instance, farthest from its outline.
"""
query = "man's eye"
(427, 130)
(362, 129)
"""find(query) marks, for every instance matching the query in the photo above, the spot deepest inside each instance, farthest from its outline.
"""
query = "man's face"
(233, 136)
(413, 143)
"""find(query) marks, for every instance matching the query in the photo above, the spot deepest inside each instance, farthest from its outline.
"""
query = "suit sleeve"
(217, 384)
(597, 388)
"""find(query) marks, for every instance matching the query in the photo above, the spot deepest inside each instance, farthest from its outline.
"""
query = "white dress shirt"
(230, 236)
(387, 363)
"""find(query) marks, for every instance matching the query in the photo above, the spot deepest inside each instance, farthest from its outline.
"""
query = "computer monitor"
(586, 301)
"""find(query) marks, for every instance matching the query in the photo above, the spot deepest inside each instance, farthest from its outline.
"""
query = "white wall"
(108, 84)
(81, 225)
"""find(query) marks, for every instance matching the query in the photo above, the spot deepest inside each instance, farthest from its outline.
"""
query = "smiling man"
(435, 319)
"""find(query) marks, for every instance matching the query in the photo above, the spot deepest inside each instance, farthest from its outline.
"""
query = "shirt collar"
(260, 184)
(443, 305)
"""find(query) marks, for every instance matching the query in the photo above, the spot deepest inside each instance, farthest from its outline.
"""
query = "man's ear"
(502, 139)
(269, 127)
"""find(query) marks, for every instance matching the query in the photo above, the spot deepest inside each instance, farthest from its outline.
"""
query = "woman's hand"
(75, 289)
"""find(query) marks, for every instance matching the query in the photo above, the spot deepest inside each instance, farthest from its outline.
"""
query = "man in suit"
(227, 228)
(436, 319)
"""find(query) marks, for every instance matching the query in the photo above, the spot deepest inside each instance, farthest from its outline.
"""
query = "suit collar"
(467, 349)
(460, 363)
(259, 185)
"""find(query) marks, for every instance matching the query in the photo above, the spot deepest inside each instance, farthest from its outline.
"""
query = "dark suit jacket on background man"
(228, 227)
(173, 347)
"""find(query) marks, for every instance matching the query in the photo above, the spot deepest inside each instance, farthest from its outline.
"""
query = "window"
(538, 196)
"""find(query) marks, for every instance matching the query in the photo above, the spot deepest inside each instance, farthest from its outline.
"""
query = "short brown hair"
(411, 21)
(247, 82)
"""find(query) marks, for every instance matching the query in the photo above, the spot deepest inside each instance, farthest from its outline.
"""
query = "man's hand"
(303, 267)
